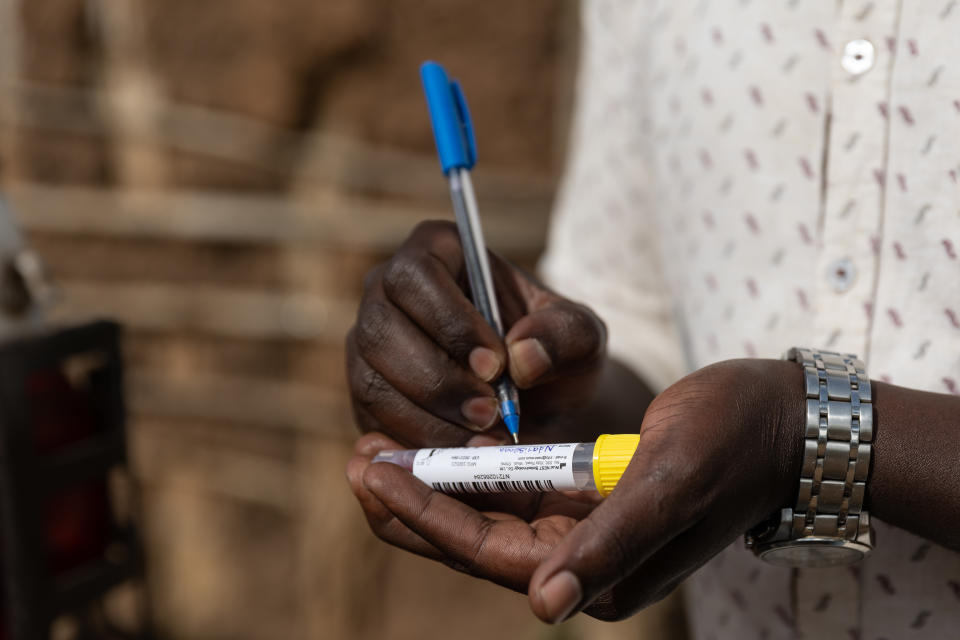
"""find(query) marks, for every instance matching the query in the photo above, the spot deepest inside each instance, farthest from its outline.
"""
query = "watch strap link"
(837, 446)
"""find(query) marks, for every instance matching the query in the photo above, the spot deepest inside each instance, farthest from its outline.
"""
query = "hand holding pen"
(423, 362)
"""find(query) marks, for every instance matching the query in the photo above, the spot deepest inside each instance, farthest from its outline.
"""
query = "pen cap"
(452, 129)
(611, 455)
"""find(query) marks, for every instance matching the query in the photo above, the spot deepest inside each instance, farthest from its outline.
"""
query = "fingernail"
(485, 363)
(530, 359)
(559, 595)
(480, 412)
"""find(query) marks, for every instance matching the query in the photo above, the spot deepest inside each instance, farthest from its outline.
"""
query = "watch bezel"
(853, 551)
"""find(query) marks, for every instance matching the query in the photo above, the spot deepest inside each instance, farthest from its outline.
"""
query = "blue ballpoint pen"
(457, 149)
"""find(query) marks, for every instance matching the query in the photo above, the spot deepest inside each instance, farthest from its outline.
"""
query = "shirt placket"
(827, 603)
(854, 174)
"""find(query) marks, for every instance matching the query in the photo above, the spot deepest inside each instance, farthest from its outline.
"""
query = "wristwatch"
(827, 526)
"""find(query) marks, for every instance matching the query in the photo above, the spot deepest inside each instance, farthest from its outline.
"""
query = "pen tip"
(512, 421)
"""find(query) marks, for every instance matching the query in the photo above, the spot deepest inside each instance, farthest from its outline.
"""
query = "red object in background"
(77, 519)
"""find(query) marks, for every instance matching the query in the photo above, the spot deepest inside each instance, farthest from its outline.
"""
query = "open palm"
(501, 538)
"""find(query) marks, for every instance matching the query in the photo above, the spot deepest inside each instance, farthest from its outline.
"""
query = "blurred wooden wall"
(219, 176)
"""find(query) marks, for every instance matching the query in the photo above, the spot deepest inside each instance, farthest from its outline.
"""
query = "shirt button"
(841, 274)
(857, 57)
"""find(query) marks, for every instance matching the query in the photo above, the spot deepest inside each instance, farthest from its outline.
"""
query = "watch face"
(815, 553)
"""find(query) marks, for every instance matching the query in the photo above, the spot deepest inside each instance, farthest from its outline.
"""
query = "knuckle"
(363, 419)
(585, 323)
(434, 384)
(624, 600)
(372, 331)
(454, 335)
(426, 508)
(574, 337)
(367, 387)
(382, 529)
(606, 608)
(402, 276)
(437, 237)
(412, 283)
(372, 277)
(458, 566)
(433, 230)
(474, 559)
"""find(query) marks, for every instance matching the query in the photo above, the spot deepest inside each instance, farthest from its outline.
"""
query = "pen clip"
(460, 102)
(450, 118)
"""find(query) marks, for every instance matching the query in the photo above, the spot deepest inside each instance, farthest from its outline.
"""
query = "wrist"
(914, 483)
(778, 397)
(825, 525)
(790, 426)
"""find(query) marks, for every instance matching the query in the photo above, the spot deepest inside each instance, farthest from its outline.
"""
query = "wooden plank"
(242, 313)
(313, 157)
(212, 216)
(249, 401)
(315, 362)
(131, 107)
(323, 271)
(10, 28)
(180, 457)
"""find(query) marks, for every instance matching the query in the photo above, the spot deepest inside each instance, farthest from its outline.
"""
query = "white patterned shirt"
(750, 175)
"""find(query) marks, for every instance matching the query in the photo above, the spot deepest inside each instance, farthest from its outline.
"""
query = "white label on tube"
(539, 467)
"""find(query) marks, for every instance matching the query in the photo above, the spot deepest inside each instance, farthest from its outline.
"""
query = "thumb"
(637, 519)
(557, 338)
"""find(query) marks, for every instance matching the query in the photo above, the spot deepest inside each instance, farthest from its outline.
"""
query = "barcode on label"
(493, 486)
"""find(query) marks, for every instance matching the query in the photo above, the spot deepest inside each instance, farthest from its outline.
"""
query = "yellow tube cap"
(611, 455)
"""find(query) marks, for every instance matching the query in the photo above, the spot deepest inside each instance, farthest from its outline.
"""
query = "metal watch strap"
(837, 449)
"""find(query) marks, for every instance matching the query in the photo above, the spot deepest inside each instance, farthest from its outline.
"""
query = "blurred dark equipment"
(66, 543)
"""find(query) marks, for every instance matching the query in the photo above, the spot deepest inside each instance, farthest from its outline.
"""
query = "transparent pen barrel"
(474, 248)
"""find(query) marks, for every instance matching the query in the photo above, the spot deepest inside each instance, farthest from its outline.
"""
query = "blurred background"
(217, 177)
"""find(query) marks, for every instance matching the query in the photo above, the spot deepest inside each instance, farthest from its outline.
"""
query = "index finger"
(505, 550)
(426, 279)
(382, 522)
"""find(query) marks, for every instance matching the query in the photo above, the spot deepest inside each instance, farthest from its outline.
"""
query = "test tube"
(571, 466)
